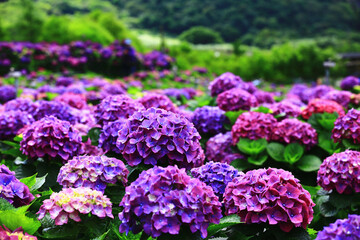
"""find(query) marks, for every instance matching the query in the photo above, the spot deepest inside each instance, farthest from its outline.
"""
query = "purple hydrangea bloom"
(224, 82)
(209, 120)
(321, 106)
(64, 81)
(157, 101)
(218, 149)
(298, 89)
(349, 83)
(176, 93)
(162, 200)
(116, 107)
(216, 175)
(253, 125)
(71, 202)
(11, 122)
(156, 59)
(109, 135)
(17, 234)
(347, 127)
(340, 172)
(271, 196)
(7, 93)
(114, 88)
(264, 97)
(59, 110)
(286, 108)
(93, 172)
(236, 99)
(294, 130)
(342, 229)
(12, 190)
(22, 104)
(318, 91)
(341, 97)
(51, 137)
(74, 100)
(156, 136)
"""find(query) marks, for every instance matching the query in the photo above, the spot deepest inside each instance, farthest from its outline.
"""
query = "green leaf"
(68, 231)
(258, 160)
(276, 151)
(224, 223)
(233, 115)
(295, 234)
(326, 142)
(14, 219)
(251, 147)
(312, 190)
(349, 144)
(262, 109)
(38, 184)
(29, 181)
(327, 120)
(309, 163)
(5, 205)
(102, 237)
(293, 152)
(51, 95)
(240, 164)
(312, 232)
(94, 134)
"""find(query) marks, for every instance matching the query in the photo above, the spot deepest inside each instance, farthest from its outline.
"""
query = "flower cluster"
(224, 82)
(156, 136)
(93, 172)
(346, 229)
(12, 121)
(341, 97)
(218, 149)
(347, 127)
(157, 101)
(178, 93)
(21, 104)
(59, 110)
(340, 172)
(109, 135)
(17, 234)
(70, 202)
(286, 108)
(236, 99)
(349, 83)
(64, 81)
(216, 175)
(209, 120)
(294, 130)
(74, 100)
(51, 137)
(263, 97)
(162, 200)
(7, 93)
(321, 106)
(116, 107)
(269, 195)
(155, 59)
(253, 125)
(12, 190)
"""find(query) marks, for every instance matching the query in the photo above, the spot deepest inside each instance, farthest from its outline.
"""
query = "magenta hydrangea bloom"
(116, 107)
(224, 82)
(74, 100)
(340, 172)
(209, 120)
(347, 127)
(109, 135)
(71, 202)
(285, 107)
(341, 97)
(12, 121)
(159, 137)
(51, 137)
(178, 93)
(17, 234)
(342, 229)
(271, 196)
(349, 83)
(162, 200)
(157, 101)
(12, 190)
(236, 99)
(218, 149)
(321, 106)
(21, 104)
(294, 130)
(7, 93)
(253, 125)
(93, 172)
(216, 175)
(264, 97)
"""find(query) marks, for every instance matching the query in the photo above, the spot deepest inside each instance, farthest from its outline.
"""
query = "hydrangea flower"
(59, 110)
(263, 97)
(156, 136)
(349, 83)
(109, 135)
(272, 196)
(321, 106)
(51, 137)
(21, 104)
(236, 99)
(12, 190)
(157, 101)
(209, 120)
(93, 172)
(253, 125)
(347, 127)
(71, 202)
(342, 229)
(224, 82)
(162, 200)
(116, 107)
(340, 172)
(298, 89)
(216, 175)
(176, 93)
(341, 97)
(17, 234)
(294, 130)
(74, 100)
(64, 81)
(12, 121)
(285, 107)
(218, 149)
(7, 93)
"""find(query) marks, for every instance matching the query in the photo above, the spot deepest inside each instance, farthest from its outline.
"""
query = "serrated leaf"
(327, 143)
(240, 164)
(14, 219)
(39, 183)
(309, 163)
(293, 152)
(251, 147)
(29, 181)
(5, 205)
(224, 223)
(276, 151)
(60, 232)
(258, 160)
(349, 144)
(94, 134)
(233, 115)
(327, 120)
(102, 237)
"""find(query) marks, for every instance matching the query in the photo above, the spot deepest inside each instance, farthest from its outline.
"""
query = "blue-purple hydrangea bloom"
(342, 229)
(109, 135)
(12, 121)
(7, 93)
(224, 82)
(347, 127)
(209, 120)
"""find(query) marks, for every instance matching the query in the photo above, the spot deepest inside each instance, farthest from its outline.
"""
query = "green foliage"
(251, 147)
(225, 222)
(15, 218)
(201, 35)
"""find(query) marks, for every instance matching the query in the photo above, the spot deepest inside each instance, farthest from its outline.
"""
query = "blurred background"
(282, 41)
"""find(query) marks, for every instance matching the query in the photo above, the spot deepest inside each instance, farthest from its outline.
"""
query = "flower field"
(102, 142)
